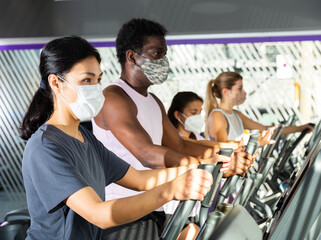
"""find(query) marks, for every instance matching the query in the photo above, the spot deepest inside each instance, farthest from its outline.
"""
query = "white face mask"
(193, 123)
(89, 102)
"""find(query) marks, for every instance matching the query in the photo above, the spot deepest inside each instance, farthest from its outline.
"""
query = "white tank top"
(150, 117)
(235, 126)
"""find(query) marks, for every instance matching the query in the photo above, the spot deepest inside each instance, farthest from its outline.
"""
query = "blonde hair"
(214, 90)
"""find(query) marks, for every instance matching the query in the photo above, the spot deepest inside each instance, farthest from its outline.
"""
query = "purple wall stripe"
(245, 40)
(40, 45)
(104, 44)
(187, 41)
(21, 47)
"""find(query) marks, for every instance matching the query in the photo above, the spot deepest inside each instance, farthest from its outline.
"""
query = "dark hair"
(179, 102)
(132, 36)
(57, 57)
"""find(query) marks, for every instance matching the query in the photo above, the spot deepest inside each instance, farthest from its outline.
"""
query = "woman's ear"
(54, 83)
(176, 115)
(226, 92)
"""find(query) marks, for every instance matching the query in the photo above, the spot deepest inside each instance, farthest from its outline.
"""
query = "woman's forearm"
(291, 129)
(156, 177)
(194, 184)
(86, 203)
(143, 180)
(124, 210)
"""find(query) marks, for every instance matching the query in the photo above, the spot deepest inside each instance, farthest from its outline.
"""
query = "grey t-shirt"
(56, 165)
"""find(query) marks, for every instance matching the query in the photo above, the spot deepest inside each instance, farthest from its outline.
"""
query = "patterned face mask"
(156, 70)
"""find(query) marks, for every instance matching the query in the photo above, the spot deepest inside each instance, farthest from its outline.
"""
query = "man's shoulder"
(117, 100)
(116, 93)
(112, 88)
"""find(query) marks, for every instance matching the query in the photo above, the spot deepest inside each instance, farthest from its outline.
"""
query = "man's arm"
(119, 114)
(216, 145)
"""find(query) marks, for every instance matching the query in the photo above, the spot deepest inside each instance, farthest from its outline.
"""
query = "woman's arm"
(217, 127)
(267, 131)
(250, 124)
(294, 129)
(142, 180)
(194, 184)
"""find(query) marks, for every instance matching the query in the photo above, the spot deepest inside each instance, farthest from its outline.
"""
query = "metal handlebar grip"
(217, 176)
(177, 221)
(208, 227)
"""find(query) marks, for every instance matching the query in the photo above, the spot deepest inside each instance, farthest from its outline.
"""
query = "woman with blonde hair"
(223, 123)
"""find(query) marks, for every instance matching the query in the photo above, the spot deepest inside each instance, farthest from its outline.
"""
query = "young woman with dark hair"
(185, 114)
(65, 168)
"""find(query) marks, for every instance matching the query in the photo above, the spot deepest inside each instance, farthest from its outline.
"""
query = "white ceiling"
(103, 18)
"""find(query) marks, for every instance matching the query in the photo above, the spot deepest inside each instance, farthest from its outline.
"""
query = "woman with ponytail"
(65, 168)
(223, 123)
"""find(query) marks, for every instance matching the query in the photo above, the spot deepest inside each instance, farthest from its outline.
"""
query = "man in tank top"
(133, 123)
